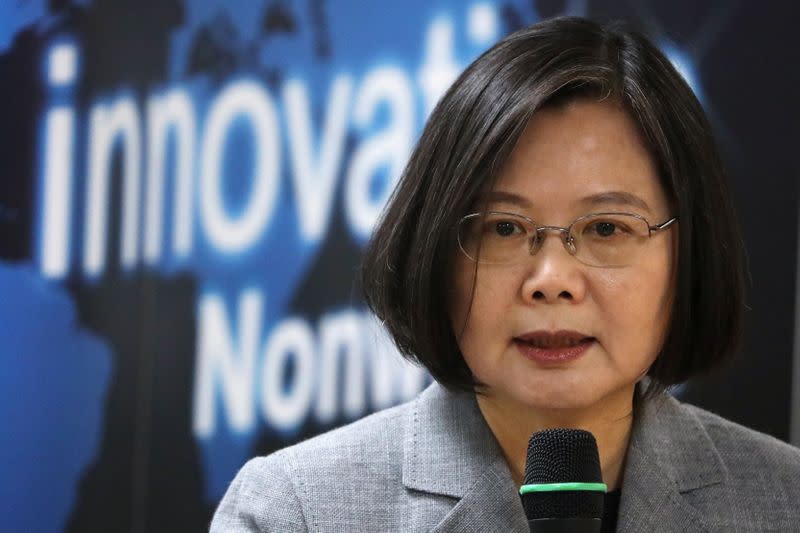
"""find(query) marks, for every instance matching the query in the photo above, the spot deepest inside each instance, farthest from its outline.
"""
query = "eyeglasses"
(596, 239)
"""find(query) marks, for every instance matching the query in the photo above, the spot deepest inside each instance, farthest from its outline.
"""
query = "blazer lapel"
(449, 450)
(651, 502)
(669, 454)
(491, 505)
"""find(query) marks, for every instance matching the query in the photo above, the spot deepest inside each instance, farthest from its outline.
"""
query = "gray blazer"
(433, 465)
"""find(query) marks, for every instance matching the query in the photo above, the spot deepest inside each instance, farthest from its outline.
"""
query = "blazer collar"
(669, 454)
(449, 450)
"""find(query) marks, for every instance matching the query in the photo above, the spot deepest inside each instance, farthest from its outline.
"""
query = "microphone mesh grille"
(563, 456)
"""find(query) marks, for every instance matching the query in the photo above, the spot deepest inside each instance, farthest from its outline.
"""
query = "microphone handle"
(565, 525)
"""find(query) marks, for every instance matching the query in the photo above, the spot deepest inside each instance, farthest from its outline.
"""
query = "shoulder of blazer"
(262, 497)
(699, 472)
(751, 456)
(292, 489)
(357, 449)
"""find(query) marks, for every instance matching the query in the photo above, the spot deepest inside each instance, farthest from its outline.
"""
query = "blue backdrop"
(187, 186)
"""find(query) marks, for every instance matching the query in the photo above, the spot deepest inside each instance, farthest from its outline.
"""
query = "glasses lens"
(493, 237)
(609, 240)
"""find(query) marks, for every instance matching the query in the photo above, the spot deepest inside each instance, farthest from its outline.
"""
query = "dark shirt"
(610, 511)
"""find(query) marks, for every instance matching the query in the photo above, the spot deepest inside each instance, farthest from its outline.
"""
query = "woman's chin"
(558, 394)
(557, 403)
(576, 395)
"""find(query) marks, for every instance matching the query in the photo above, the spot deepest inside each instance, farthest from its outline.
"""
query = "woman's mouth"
(550, 349)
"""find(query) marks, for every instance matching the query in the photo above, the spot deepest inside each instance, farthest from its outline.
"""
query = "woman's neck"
(610, 423)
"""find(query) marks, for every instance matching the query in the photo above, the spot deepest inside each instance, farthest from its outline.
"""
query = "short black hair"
(408, 262)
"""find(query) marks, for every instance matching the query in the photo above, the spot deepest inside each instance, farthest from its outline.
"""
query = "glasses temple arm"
(663, 225)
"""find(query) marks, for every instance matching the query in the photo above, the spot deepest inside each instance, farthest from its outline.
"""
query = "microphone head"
(563, 456)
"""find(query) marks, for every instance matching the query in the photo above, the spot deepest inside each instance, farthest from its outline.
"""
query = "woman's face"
(566, 154)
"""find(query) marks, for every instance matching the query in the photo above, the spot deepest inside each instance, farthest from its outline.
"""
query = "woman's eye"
(607, 229)
(505, 228)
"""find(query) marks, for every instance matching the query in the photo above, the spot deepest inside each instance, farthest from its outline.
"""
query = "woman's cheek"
(621, 302)
(613, 294)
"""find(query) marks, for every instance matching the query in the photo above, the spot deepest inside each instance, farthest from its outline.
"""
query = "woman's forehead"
(585, 154)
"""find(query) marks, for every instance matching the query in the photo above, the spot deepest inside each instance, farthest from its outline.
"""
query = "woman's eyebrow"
(603, 198)
(616, 198)
(505, 197)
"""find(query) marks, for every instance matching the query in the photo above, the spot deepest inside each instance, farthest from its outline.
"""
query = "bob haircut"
(407, 267)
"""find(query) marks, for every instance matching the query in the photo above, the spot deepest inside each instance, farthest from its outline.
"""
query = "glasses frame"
(539, 233)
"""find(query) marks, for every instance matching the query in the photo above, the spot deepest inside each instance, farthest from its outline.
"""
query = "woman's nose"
(553, 274)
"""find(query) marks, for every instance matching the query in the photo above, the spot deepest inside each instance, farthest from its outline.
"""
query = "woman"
(561, 248)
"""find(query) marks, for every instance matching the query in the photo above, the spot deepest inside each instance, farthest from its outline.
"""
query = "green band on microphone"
(556, 487)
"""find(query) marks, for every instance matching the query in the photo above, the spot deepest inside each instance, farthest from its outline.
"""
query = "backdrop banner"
(187, 186)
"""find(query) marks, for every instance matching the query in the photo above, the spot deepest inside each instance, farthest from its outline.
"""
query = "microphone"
(564, 490)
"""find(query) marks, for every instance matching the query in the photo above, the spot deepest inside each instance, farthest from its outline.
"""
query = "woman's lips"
(556, 354)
